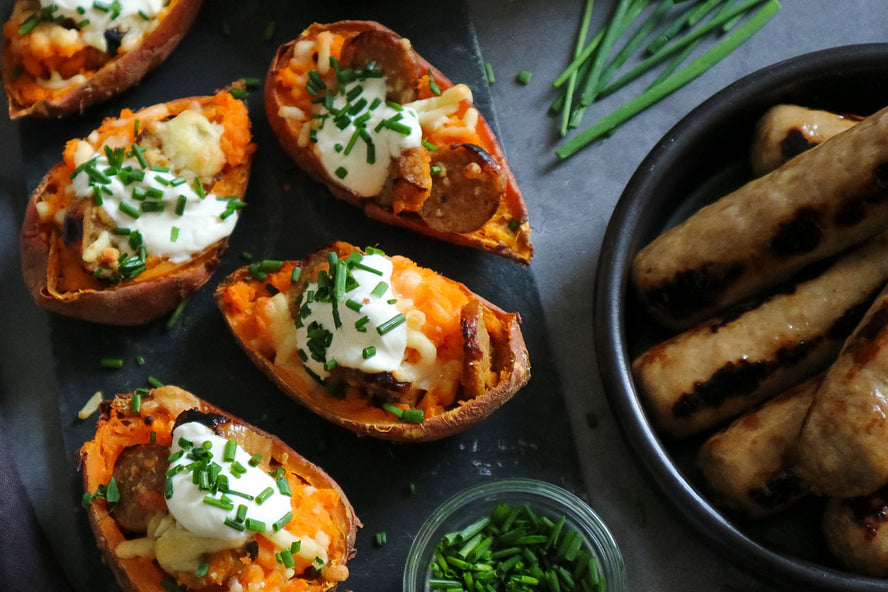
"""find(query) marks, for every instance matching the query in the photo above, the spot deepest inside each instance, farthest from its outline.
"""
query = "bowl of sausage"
(742, 319)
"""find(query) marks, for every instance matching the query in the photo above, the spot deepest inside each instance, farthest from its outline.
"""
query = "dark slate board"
(288, 216)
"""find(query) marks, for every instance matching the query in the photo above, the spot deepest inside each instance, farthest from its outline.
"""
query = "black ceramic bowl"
(703, 157)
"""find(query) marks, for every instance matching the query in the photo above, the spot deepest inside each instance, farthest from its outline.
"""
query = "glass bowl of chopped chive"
(514, 534)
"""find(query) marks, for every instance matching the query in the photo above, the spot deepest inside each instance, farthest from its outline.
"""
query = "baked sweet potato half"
(376, 344)
(180, 493)
(134, 218)
(360, 111)
(61, 57)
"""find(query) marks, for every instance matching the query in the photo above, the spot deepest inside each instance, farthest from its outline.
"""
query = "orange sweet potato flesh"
(461, 320)
(507, 233)
(52, 272)
(26, 97)
(120, 427)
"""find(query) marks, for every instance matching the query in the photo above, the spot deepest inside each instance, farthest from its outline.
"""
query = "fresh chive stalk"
(674, 82)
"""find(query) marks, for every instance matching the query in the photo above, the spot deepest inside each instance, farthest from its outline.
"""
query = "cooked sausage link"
(727, 365)
(786, 131)
(747, 466)
(478, 376)
(140, 473)
(392, 54)
(843, 444)
(856, 531)
(466, 191)
(409, 181)
(816, 205)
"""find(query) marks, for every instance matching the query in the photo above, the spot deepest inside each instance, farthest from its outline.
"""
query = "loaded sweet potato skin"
(111, 76)
(122, 428)
(506, 232)
(54, 276)
(483, 342)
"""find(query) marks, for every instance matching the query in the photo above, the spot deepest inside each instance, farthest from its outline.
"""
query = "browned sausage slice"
(140, 473)
(467, 186)
(392, 54)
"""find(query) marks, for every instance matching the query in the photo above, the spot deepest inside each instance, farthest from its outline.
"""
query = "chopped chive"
(175, 315)
(379, 289)
(203, 568)
(218, 503)
(433, 85)
(174, 234)
(230, 450)
(524, 77)
(129, 210)
(154, 382)
(368, 352)
(255, 525)
(488, 73)
(391, 324)
(136, 403)
(286, 558)
(111, 363)
(415, 416)
(282, 522)
(234, 524)
(297, 273)
(341, 172)
(381, 539)
(266, 493)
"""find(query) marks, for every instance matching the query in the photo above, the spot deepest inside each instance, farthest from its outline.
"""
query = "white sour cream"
(353, 169)
(200, 225)
(187, 503)
(94, 18)
(349, 343)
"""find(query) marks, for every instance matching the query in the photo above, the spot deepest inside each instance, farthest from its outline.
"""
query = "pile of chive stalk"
(650, 32)
(514, 549)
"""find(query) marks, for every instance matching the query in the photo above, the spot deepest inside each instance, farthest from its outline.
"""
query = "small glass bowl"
(544, 498)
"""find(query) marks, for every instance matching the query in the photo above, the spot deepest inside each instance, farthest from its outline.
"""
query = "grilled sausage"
(786, 131)
(390, 53)
(843, 446)
(818, 204)
(856, 532)
(729, 364)
(140, 473)
(747, 467)
(466, 189)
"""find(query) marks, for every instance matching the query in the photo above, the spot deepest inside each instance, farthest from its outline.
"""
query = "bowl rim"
(606, 548)
(610, 323)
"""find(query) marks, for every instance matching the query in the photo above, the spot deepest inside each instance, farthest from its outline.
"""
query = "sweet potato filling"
(315, 509)
(66, 271)
(49, 50)
(254, 317)
(313, 52)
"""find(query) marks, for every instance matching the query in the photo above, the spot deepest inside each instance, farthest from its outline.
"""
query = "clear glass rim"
(593, 529)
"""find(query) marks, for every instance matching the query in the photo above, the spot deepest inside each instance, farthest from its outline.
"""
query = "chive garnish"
(524, 77)
(341, 172)
(368, 352)
(282, 522)
(229, 451)
(433, 85)
(114, 363)
(379, 289)
(391, 324)
(154, 382)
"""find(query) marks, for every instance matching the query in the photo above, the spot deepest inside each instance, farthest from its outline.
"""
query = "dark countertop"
(570, 204)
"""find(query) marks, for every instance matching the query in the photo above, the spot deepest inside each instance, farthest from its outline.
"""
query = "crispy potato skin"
(304, 389)
(140, 575)
(118, 74)
(275, 98)
(128, 303)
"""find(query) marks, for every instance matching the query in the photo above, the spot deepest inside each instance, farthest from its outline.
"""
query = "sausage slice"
(467, 186)
(392, 54)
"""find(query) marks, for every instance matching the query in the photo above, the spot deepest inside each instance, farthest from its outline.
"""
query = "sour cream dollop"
(370, 334)
(346, 152)
(191, 505)
(94, 18)
(130, 204)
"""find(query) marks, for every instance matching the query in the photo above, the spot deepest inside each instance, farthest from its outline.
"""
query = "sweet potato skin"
(117, 75)
(305, 158)
(128, 303)
(299, 385)
(141, 575)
